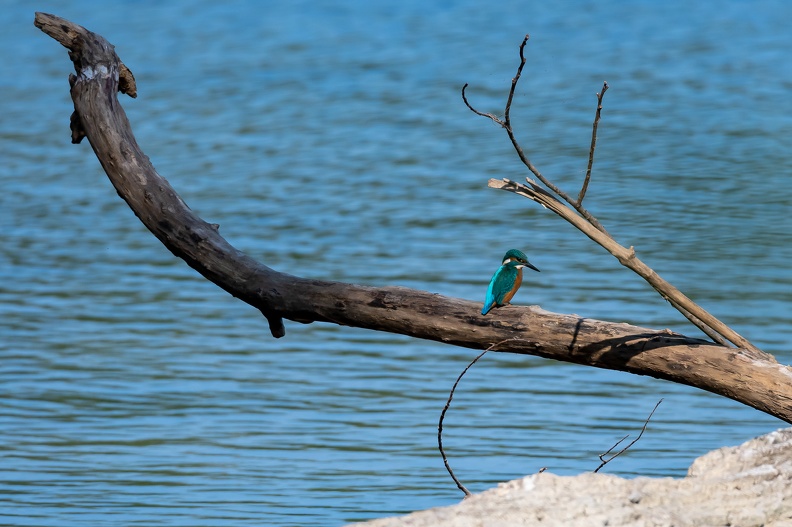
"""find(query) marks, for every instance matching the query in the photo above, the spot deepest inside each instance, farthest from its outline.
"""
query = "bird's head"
(517, 259)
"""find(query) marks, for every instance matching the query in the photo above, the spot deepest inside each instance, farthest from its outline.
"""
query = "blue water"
(330, 141)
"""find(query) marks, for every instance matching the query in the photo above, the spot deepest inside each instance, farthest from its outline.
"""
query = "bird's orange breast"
(517, 283)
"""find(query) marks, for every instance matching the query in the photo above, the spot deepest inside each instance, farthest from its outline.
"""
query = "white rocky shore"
(745, 486)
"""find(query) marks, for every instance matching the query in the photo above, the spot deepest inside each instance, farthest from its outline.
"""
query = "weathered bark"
(754, 379)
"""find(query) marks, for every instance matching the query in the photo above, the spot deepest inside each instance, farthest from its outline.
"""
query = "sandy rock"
(745, 486)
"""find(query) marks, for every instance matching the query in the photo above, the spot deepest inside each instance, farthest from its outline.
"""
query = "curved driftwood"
(752, 378)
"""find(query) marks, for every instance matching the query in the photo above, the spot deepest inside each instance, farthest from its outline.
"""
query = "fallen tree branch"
(756, 380)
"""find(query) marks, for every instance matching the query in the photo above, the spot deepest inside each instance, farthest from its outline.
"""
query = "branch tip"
(522, 47)
(623, 450)
(593, 145)
(487, 115)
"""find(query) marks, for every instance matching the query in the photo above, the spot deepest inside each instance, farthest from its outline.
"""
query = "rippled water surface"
(330, 141)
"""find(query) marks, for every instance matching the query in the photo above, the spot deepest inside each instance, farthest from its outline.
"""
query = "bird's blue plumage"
(506, 280)
(502, 283)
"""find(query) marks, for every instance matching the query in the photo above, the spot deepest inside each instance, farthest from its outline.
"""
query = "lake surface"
(330, 141)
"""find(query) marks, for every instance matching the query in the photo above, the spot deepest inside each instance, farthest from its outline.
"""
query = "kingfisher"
(506, 280)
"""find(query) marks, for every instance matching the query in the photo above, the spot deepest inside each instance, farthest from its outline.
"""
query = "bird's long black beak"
(529, 264)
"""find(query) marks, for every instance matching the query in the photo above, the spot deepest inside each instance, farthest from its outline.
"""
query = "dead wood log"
(754, 379)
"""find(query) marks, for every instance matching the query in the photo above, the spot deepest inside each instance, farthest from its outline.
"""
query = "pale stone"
(745, 486)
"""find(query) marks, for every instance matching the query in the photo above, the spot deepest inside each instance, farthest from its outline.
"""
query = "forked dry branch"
(711, 326)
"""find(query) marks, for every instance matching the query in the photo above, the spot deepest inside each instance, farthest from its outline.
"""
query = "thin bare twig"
(620, 452)
(440, 424)
(488, 115)
(515, 80)
(583, 189)
(445, 409)
(506, 124)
